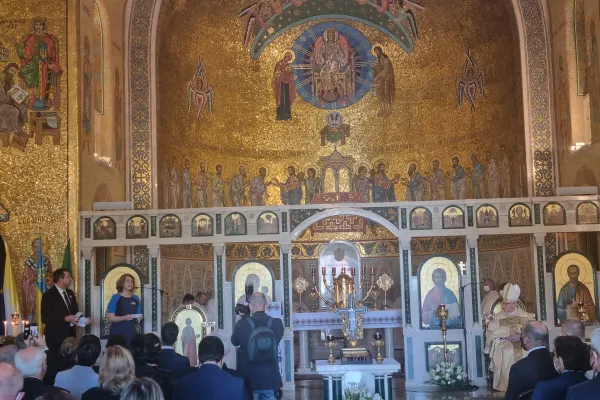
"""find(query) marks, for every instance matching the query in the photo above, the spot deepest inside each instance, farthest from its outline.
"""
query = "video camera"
(243, 309)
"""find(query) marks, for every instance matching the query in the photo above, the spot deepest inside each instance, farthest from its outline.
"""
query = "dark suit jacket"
(176, 363)
(99, 394)
(526, 373)
(556, 389)
(54, 311)
(209, 383)
(585, 391)
(35, 388)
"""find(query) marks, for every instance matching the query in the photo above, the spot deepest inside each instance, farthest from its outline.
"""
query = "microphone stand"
(162, 292)
(461, 291)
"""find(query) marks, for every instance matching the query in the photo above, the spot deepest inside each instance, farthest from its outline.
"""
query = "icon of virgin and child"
(440, 294)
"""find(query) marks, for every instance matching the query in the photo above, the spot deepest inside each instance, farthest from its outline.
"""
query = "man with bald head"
(11, 383)
(537, 366)
(8, 353)
(573, 327)
(32, 364)
(259, 366)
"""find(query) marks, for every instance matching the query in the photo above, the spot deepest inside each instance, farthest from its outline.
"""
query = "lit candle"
(5, 328)
(343, 270)
(323, 270)
(372, 270)
(23, 325)
(353, 271)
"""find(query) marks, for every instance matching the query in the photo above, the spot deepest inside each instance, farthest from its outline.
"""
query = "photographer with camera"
(258, 337)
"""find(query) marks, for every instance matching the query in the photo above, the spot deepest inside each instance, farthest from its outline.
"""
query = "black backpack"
(262, 344)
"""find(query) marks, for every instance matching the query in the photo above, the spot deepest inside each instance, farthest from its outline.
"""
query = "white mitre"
(511, 293)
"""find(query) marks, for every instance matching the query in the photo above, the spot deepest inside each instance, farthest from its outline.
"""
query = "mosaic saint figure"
(29, 279)
(118, 118)
(200, 93)
(237, 193)
(437, 182)
(383, 78)
(493, 173)
(258, 188)
(477, 176)
(439, 294)
(313, 185)
(331, 56)
(291, 190)
(188, 342)
(505, 172)
(363, 184)
(217, 188)
(202, 187)
(415, 188)
(258, 16)
(38, 52)
(175, 190)
(458, 178)
(166, 186)
(503, 336)
(383, 187)
(571, 294)
(186, 179)
(13, 115)
(87, 92)
(284, 87)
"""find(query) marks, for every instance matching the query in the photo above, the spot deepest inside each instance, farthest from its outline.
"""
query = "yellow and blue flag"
(41, 284)
(9, 298)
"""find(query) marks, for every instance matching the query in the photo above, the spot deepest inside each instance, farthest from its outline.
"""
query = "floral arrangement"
(449, 376)
(355, 391)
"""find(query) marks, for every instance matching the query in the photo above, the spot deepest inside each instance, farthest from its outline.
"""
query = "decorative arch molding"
(142, 26)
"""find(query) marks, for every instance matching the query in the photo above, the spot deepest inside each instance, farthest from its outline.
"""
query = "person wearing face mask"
(591, 389)
(571, 358)
(491, 295)
(538, 366)
(502, 336)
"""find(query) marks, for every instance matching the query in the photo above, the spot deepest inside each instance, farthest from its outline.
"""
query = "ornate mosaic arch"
(538, 127)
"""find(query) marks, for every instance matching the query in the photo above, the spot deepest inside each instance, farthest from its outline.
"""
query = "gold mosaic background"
(40, 186)
(425, 123)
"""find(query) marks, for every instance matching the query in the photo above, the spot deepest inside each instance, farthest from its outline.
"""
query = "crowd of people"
(147, 367)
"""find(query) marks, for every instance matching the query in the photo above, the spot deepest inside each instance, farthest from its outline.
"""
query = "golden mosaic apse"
(217, 103)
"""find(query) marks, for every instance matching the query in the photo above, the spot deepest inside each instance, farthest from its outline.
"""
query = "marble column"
(87, 277)
(219, 272)
(285, 265)
(154, 252)
(389, 342)
(539, 255)
(304, 366)
(472, 318)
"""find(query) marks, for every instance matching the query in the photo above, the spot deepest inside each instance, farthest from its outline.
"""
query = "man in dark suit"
(176, 363)
(59, 309)
(536, 367)
(590, 389)
(210, 382)
(32, 364)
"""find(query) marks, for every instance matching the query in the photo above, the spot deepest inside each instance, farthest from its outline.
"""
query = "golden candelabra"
(378, 342)
(442, 314)
(15, 319)
(300, 285)
(385, 282)
(343, 286)
(331, 344)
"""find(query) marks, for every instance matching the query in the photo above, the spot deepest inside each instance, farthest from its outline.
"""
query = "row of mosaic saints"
(336, 80)
(178, 186)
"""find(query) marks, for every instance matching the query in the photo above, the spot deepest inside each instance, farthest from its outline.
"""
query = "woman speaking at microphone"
(124, 308)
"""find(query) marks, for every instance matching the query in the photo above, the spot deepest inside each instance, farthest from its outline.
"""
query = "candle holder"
(314, 298)
(300, 285)
(378, 342)
(385, 282)
(442, 314)
(331, 344)
(342, 285)
(15, 318)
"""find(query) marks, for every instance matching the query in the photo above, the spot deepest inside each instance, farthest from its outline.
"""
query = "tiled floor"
(313, 390)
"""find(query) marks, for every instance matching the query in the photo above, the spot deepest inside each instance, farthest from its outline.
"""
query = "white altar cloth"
(372, 319)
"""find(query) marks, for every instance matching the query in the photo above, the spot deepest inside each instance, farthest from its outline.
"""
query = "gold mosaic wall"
(425, 122)
(39, 183)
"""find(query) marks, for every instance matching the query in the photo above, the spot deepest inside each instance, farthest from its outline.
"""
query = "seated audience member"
(573, 327)
(8, 353)
(145, 350)
(178, 364)
(81, 377)
(536, 367)
(571, 360)
(61, 362)
(32, 364)
(591, 389)
(11, 382)
(142, 389)
(117, 370)
(210, 382)
(57, 394)
(188, 299)
(226, 339)
(117, 340)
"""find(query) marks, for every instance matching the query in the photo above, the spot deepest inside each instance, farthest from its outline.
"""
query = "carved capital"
(154, 251)
(404, 243)
(86, 253)
(472, 241)
(284, 247)
(539, 239)
(219, 249)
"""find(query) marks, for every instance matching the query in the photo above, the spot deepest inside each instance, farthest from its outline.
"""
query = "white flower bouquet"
(449, 376)
(355, 391)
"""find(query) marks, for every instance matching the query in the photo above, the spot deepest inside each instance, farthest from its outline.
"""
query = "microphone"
(471, 283)
(151, 288)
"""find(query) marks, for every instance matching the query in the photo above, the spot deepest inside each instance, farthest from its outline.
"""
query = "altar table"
(376, 377)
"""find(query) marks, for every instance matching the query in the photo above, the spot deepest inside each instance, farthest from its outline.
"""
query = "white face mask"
(557, 366)
(486, 288)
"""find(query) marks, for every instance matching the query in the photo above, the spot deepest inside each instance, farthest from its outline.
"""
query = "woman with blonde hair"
(117, 370)
(142, 389)
(124, 308)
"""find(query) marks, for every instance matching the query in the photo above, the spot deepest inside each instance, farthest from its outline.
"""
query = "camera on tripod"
(244, 309)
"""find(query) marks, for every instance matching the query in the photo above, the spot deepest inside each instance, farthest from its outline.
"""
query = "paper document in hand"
(82, 322)
(138, 316)
(453, 310)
